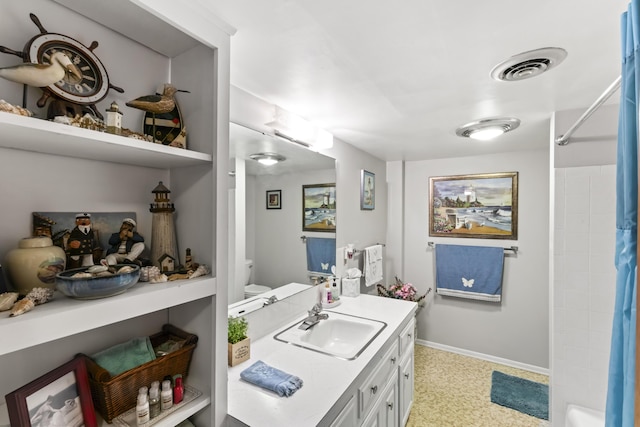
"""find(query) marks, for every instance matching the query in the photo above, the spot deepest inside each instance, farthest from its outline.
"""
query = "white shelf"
(42, 136)
(33, 327)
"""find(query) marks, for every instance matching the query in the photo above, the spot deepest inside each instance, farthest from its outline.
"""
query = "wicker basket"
(114, 395)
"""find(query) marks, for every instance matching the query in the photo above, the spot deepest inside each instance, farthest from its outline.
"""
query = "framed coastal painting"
(478, 206)
(274, 199)
(367, 190)
(61, 397)
(319, 207)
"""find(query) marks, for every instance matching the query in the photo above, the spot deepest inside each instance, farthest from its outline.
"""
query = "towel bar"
(511, 248)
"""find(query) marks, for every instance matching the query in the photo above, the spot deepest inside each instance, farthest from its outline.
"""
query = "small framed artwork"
(319, 207)
(274, 199)
(367, 190)
(61, 397)
(481, 206)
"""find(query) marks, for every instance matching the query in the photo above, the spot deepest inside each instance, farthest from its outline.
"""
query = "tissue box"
(350, 287)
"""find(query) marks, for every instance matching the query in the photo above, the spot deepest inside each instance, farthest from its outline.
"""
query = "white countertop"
(325, 377)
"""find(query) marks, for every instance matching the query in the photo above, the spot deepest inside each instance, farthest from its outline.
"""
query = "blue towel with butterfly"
(321, 255)
(473, 272)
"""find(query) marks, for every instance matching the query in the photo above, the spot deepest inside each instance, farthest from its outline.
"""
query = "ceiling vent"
(528, 64)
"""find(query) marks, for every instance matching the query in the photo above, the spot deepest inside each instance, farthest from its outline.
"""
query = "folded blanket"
(125, 356)
(271, 378)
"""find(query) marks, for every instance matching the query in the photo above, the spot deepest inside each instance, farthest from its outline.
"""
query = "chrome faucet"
(314, 317)
(270, 301)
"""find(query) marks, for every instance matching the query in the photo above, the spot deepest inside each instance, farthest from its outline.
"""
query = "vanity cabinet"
(51, 167)
(386, 395)
(405, 372)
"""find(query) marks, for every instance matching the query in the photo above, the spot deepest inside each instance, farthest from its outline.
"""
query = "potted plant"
(238, 345)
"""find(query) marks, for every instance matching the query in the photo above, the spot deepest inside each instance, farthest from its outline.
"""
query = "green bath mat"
(523, 395)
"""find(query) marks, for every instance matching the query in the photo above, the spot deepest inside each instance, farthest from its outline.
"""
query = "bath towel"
(473, 272)
(271, 378)
(321, 255)
(125, 356)
(373, 265)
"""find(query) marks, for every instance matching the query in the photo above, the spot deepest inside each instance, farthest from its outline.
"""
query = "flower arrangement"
(401, 290)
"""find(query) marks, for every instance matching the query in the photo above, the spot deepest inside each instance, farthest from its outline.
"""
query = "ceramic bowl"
(97, 286)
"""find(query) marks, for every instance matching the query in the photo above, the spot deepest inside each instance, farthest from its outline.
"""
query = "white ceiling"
(395, 78)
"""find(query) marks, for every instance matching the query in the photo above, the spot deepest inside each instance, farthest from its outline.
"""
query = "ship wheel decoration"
(79, 91)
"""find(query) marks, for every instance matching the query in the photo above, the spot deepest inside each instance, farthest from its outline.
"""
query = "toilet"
(252, 290)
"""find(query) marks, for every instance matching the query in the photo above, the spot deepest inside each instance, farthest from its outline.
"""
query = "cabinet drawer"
(407, 336)
(369, 391)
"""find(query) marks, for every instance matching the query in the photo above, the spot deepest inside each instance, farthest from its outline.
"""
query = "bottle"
(178, 389)
(154, 399)
(142, 408)
(328, 293)
(166, 397)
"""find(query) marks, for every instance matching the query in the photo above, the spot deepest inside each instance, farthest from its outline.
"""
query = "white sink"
(341, 335)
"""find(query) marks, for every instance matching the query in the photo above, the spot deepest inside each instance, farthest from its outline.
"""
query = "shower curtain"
(620, 396)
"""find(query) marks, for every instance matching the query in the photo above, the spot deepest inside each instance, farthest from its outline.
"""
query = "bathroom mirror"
(265, 215)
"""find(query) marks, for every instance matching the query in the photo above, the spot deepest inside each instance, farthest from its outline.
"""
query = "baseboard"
(481, 356)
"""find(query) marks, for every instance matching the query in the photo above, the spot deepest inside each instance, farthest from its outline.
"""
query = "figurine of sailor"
(126, 245)
(81, 242)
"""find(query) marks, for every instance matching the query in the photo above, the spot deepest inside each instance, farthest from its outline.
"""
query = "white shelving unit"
(52, 167)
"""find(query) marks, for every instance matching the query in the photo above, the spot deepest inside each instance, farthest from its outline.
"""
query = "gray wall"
(517, 329)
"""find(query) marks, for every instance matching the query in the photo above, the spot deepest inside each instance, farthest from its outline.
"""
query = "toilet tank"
(248, 264)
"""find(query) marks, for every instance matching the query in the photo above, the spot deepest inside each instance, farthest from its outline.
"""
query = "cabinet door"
(348, 416)
(405, 398)
(389, 405)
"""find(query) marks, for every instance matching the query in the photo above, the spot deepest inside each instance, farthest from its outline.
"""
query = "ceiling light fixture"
(486, 129)
(267, 159)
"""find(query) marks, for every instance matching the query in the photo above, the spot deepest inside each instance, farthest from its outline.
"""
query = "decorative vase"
(34, 264)
(239, 352)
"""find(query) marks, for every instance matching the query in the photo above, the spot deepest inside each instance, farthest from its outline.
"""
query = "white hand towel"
(373, 265)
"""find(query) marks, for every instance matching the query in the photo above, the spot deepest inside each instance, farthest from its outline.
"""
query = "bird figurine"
(42, 75)
(157, 104)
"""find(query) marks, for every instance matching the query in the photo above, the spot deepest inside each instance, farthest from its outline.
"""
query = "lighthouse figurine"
(164, 246)
(114, 119)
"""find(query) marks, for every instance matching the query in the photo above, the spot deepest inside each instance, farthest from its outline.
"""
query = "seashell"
(104, 274)
(202, 270)
(22, 306)
(160, 278)
(82, 275)
(148, 273)
(97, 269)
(40, 295)
(7, 299)
(125, 269)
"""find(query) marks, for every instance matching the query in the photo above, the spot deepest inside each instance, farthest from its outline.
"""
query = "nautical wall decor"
(84, 83)
(319, 207)
(481, 206)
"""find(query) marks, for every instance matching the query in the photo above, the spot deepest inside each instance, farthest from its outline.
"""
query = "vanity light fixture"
(267, 159)
(486, 129)
(298, 130)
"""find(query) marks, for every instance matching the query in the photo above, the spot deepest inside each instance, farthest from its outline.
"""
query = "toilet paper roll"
(350, 287)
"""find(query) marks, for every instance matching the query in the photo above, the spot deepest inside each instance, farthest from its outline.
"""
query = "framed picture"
(319, 207)
(274, 199)
(367, 190)
(481, 206)
(61, 397)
